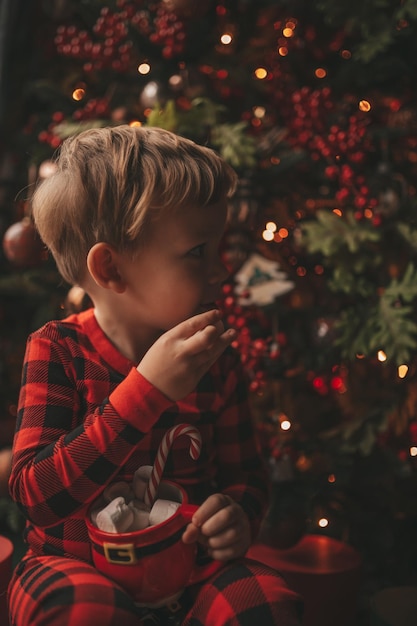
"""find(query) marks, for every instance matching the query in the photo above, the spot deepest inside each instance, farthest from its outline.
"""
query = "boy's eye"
(198, 251)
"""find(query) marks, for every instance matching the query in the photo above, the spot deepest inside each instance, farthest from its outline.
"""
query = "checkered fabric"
(56, 591)
(87, 418)
(245, 593)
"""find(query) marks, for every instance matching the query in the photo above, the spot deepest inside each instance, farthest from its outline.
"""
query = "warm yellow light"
(283, 51)
(144, 68)
(78, 94)
(261, 73)
(175, 80)
(288, 32)
(271, 226)
(259, 112)
(413, 451)
(323, 522)
(135, 123)
(47, 168)
(402, 371)
(285, 425)
(382, 356)
(320, 72)
(226, 39)
(364, 105)
(268, 235)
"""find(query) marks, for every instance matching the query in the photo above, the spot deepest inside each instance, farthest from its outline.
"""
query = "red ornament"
(22, 244)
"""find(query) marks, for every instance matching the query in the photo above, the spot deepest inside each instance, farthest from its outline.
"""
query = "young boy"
(135, 216)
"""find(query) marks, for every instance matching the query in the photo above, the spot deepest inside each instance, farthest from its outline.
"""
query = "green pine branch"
(387, 324)
(232, 141)
(373, 23)
(329, 234)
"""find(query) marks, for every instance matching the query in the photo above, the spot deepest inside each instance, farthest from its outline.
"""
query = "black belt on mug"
(128, 553)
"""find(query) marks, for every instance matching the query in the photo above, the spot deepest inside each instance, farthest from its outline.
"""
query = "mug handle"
(200, 572)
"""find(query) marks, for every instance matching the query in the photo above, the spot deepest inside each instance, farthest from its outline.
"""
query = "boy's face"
(178, 272)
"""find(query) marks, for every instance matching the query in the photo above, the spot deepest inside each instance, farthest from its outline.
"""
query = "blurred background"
(314, 105)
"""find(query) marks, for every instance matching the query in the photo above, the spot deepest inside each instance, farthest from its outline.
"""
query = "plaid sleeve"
(68, 446)
(241, 472)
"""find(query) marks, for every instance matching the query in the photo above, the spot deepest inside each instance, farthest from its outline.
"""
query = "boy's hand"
(222, 526)
(180, 357)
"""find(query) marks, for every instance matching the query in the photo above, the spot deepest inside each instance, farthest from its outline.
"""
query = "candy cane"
(162, 454)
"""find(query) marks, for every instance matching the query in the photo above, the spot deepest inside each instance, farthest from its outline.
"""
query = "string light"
(175, 81)
(259, 112)
(364, 105)
(271, 226)
(413, 451)
(382, 356)
(226, 39)
(320, 72)
(261, 73)
(402, 371)
(78, 94)
(323, 522)
(285, 424)
(267, 235)
(144, 68)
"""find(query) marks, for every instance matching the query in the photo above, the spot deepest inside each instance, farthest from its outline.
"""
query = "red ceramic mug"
(154, 565)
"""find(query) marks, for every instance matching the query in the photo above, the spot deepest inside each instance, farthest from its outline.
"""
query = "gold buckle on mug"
(120, 553)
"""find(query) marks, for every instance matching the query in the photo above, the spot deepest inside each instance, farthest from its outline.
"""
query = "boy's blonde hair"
(109, 184)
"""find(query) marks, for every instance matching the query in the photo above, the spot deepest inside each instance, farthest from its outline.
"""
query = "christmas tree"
(314, 105)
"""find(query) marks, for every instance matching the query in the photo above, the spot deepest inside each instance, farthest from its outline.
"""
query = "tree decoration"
(314, 104)
(111, 45)
(259, 281)
(22, 245)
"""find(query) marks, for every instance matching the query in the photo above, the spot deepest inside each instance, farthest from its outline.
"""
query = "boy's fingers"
(198, 322)
(210, 507)
(190, 534)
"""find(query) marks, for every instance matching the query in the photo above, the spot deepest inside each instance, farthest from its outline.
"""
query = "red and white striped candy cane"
(162, 454)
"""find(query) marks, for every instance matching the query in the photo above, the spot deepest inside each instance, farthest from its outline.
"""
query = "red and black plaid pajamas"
(87, 418)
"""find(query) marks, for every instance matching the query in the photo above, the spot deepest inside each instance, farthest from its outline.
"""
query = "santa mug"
(154, 565)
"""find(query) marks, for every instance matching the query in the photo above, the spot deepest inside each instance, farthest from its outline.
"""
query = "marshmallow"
(140, 515)
(119, 489)
(116, 517)
(162, 510)
(140, 481)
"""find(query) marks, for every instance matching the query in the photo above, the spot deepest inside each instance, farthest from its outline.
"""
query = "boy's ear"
(102, 263)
